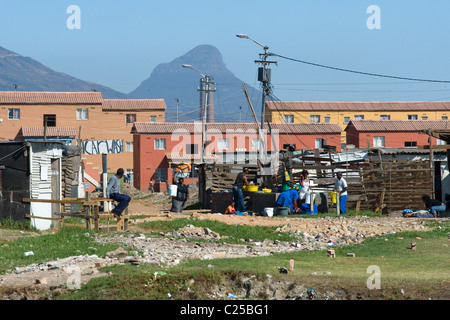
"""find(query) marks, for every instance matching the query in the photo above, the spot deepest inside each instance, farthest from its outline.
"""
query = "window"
(346, 119)
(410, 143)
(320, 143)
(289, 118)
(131, 118)
(326, 119)
(444, 118)
(160, 175)
(129, 146)
(314, 118)
(256, 144)
(82, 114)
(160, 144)
(385, 117)
(424, 118)
(152, 118)
(223, 144)
(378, 141)
(359, 117)
(13, 114)
(412, 117)
(192, 149)
(50, 120)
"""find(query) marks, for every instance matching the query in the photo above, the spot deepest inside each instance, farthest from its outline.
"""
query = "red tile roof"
(35, 97)
(133, 104)
(290, 128)
(51, 131)
(357, 105)
(397, 125)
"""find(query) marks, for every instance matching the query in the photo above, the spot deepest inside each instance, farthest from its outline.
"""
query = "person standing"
(113, 192)
(305, 191)
(238, 194)
(179, 201)
(286, 183)
(340, 187)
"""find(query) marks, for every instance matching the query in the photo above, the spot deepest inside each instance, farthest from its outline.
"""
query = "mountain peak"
(172, 82)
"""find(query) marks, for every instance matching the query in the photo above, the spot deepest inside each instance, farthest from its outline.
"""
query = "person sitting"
(433, 205)
(288, 199)
(113, 192)
(230, 209)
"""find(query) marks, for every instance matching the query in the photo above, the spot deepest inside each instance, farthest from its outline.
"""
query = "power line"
(357, 72)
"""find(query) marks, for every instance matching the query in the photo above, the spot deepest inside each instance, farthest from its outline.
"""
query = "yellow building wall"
(339, 116)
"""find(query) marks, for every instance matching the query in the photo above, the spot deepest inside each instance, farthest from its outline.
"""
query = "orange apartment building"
(101, 125)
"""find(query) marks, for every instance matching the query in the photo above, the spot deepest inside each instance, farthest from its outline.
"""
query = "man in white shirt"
(341, 187)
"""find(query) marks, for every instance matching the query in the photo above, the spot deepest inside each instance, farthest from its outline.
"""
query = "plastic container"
(333, 196)
(173, 190)
(268, 212)
(282, 211)
(251, 188)
(267, 190)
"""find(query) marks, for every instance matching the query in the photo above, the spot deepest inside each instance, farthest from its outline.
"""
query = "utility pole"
(205, 88)
(177, 100)
(264, 76)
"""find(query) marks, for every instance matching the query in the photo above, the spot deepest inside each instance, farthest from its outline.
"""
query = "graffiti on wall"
(103, 146)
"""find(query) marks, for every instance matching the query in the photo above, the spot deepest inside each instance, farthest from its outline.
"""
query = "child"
(230, 209)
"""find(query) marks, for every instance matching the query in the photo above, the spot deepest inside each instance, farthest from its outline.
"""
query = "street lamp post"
(264, 74)
(207, 81)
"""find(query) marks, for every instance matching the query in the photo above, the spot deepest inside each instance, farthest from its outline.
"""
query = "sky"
(119, 43)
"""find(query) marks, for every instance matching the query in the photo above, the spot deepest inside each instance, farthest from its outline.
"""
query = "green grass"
(421, 272)
(67, 242)
(8, 223)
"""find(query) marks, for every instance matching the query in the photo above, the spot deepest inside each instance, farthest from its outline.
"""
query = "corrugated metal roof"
(398, 125)
(51, 131)
(357, 105)
(35, 97)
(290, 128)
(133, 104)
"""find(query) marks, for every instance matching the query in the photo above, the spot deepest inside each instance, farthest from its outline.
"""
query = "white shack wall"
(41, 156)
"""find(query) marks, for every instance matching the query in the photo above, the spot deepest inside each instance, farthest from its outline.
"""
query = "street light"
(244, 36)
(205, 87)
(264, 74)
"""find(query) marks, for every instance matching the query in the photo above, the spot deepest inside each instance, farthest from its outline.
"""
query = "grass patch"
(8, 223)
(69, 241)
(422, 273)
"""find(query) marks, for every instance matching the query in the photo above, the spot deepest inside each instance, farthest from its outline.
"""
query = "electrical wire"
(357, 72)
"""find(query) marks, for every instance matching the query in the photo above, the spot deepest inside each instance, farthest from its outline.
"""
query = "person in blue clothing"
(289, 199)
(113, 192)
(238, 195)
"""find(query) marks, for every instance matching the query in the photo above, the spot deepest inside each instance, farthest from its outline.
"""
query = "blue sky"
(120, 42)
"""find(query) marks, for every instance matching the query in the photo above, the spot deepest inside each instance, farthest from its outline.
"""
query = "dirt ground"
(40, 283)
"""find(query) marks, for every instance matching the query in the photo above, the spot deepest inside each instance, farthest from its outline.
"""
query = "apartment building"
(102, 126)
(342, 112)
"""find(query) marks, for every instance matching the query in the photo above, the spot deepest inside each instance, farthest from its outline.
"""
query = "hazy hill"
(171, 81)
(30, 75)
